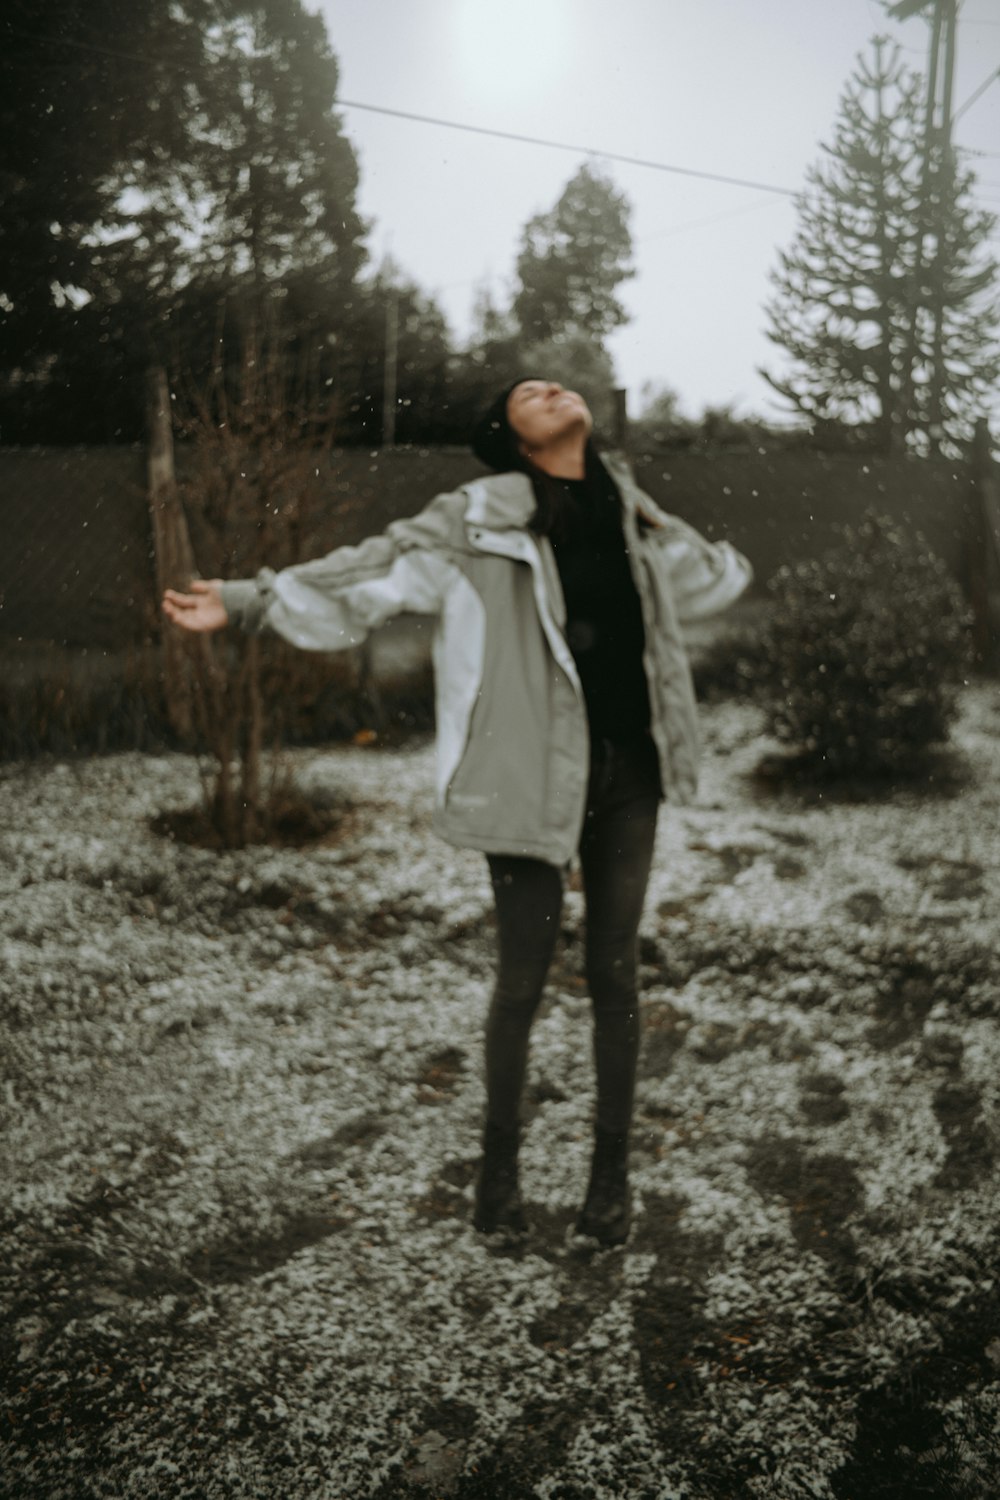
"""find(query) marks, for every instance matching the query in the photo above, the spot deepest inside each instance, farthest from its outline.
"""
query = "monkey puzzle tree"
(884, 300)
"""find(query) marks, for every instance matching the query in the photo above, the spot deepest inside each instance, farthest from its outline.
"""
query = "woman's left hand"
(201, 610)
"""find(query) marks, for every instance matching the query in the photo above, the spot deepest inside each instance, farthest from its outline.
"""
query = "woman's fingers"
(201, 609)
(179, 601)
(182, 609)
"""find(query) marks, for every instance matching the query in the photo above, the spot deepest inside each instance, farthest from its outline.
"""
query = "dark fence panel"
(75, 544)
(781, 506)
(76, 562)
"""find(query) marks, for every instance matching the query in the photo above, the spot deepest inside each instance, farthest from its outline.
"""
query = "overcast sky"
(741, 88)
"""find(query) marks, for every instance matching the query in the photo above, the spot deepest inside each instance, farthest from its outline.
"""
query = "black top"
(604, 628)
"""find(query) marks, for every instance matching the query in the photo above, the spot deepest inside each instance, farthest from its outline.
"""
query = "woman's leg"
(528, 902)
(528, 895)
(616, 854)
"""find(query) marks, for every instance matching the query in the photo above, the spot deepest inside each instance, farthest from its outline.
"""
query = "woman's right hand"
(202, 609)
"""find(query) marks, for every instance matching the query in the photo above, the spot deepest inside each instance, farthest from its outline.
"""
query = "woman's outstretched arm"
(335, 601)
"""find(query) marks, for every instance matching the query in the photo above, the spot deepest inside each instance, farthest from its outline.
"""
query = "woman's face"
(541, 412)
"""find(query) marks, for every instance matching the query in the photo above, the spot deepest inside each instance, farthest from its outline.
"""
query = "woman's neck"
(562, 460)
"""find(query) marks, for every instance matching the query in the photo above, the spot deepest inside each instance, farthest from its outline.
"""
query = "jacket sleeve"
(705, 577)
(702, 577)
(334, 602)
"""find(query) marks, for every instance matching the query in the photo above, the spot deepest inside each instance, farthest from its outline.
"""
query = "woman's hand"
(202, 609)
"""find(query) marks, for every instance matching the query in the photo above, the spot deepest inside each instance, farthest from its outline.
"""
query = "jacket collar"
(499, 501)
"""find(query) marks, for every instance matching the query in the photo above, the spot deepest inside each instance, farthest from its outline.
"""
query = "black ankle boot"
(498, 1197)
(606, 1215)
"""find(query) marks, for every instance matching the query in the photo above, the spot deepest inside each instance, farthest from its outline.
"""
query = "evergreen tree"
(423, 363)
(572, 261)
(264, 182)
(563, 306)
(880, 243)
(83, 84)
(177, 163)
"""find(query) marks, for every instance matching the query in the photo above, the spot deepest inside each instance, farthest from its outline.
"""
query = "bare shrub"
(254, 438)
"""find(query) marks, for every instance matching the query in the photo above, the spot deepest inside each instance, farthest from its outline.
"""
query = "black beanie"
(494, 441)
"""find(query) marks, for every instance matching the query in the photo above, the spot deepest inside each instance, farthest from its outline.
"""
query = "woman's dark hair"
(552, 500)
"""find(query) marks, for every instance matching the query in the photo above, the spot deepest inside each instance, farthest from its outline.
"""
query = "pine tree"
(84, 86)
(191, 162)
(880, 242)
(423, 356)
(572, 261)
(264, 181)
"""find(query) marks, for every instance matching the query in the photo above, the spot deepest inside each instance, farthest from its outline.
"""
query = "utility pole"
(938, 143)
(389, 377)
(940, 72)
(619, 397)
(390, 365)
(936, 180)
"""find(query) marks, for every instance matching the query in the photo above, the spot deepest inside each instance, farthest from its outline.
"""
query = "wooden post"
(620, 419)
(172, 550)
(983, 552)
(389, 374)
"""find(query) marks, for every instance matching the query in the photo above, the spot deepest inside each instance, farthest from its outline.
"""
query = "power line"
(979, 92)
(69, 41)
(504, 135)
(508, 135)
(534, 140)
(702, 223)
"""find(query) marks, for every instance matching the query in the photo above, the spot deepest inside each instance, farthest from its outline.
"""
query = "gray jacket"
(512, 740)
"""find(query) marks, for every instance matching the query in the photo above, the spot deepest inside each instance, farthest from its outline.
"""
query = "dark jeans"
(616, 851)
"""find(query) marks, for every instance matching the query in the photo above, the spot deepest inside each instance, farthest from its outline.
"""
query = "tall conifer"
(883, 238)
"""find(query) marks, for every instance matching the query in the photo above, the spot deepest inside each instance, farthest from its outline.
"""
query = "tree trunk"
(252, 715)
(175, 566)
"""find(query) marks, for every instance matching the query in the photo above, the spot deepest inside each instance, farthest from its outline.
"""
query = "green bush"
(867, 647)
(732, 660)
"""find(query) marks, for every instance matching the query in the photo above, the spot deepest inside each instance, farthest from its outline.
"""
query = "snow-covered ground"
(243, 1095)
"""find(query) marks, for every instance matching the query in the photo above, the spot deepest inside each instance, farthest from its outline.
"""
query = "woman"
(565, 713)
